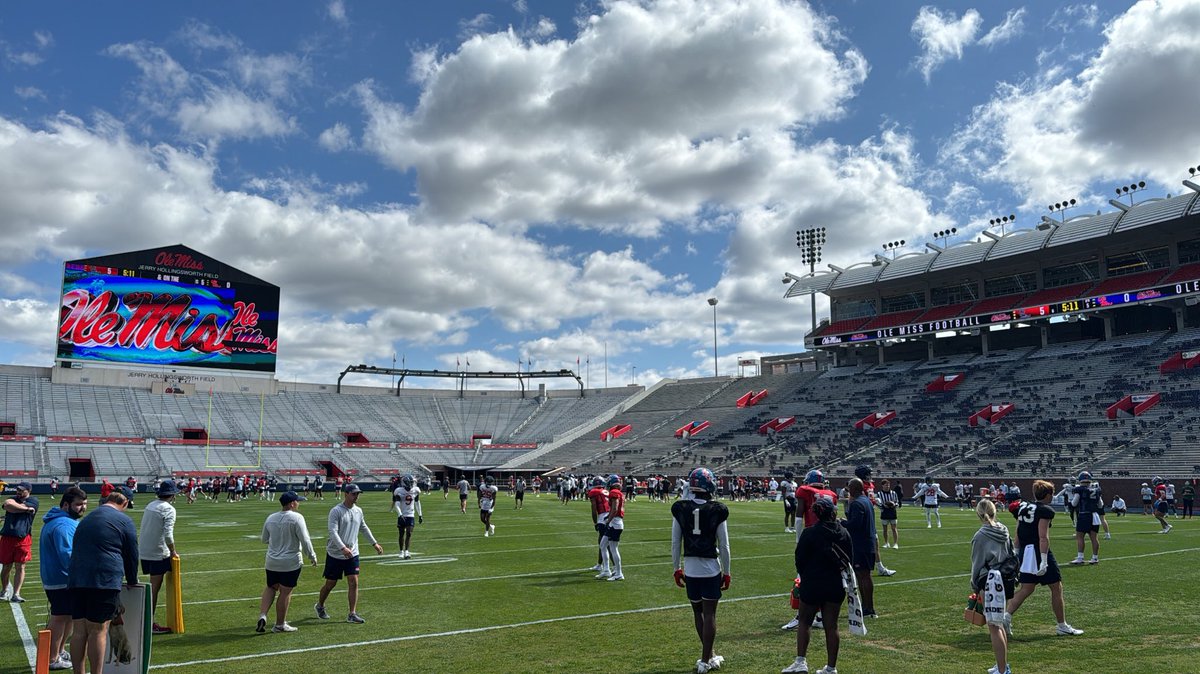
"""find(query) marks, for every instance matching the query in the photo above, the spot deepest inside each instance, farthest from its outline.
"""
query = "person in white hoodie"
(990, 547)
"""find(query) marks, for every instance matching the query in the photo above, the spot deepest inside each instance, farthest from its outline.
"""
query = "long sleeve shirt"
(157, 535)
(286, 536)
(345, 524)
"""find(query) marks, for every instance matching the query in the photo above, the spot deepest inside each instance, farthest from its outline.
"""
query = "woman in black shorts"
(823, 551)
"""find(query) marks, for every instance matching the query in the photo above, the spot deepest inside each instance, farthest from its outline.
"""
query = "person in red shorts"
(16, 541)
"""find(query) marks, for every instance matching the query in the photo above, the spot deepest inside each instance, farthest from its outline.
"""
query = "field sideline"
(524, 600)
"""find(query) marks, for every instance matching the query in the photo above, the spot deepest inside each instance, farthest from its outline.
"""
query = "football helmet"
(1084, 477)
(407, 481)
(863, 472)
(702, 479)
(814, 476)
(489, 480)
(613, 480)
(597, 481)
(788, 475)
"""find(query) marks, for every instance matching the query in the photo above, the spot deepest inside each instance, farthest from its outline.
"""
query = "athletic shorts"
(1083, 524)
(15, 550)
(1052, 575)
(789, 504)
(885, 521)
(816, 594)
(462, 497)
(601, 527)
(1145, 501)
(283, 578)
(931, 506)
(519, 495)
(336, 568)
(614, 535)
(702, 588)
(864, 559)
(60, 601)
(94, 605)
(156, 567)
(406, 522)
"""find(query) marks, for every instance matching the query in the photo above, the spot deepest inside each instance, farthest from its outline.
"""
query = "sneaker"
(492, 529)
(321, 613)
(17, 599)
(1006, 620)
(896, 546)
(870, 614)
(791, 625)
(716, 661)
(603, 575)
(994, 669)
(1108, 537)
(486, 533)
(702, 667)
(939, 526)
(1065, 630)
(355, 618)
(65, 656)
(1077, 561)
(261, 626)
(1094, 560)
(800, 665)
(827, 670)
(619, 576)
(4, 594)
(159, 629)
(928, 526)
(1169, 527)
(887, 572)
(60, 665)
(284, 628)
(596, 568)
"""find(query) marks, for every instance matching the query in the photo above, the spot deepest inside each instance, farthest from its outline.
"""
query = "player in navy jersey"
(700, 537)
(1038, 566)
(1087, 501)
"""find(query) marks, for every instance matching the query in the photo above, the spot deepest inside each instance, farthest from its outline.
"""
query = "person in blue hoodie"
(54, 554)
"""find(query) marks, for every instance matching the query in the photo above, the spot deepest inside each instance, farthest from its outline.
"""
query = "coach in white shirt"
(346, 522)
(286, 535)
(156, 541)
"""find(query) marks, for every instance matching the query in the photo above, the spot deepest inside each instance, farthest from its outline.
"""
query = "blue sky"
(498, 181)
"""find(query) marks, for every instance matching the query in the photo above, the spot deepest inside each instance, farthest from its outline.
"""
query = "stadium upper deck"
(1078, 267)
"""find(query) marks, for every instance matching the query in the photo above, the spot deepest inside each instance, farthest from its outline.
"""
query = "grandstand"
(1052, 337)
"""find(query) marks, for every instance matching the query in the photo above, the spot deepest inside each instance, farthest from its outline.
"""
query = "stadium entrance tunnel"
(331, 469)
(81, 470)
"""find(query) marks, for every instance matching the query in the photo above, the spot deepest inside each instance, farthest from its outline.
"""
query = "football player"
(698, 529)
(863, 473)
(1086, 500)
(787, 489)
(406, 501)
(598, 497)
(929, 492)
(806, 495)
(486, 497)
(1160, 513)
(616, 525)
(1038, 566)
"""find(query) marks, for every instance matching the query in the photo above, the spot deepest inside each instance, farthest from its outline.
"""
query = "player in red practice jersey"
(863, 473)
(807, 494)
(616, 525)
(598, 497)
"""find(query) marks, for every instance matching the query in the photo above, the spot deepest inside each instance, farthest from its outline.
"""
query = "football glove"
(420, 519)
(1043, 567)
(679, 577)
(725, 581)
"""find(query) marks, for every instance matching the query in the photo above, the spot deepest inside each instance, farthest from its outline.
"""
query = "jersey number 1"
(696, 522)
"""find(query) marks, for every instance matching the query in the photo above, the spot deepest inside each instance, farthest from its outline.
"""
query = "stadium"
(1039, 353)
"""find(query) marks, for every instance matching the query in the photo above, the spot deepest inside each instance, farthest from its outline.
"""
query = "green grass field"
(524, 601)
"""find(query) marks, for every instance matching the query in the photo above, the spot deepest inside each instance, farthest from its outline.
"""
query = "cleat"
(835, 671)
(284, 628)
(159, 629)
(596, 568)
(1169, 527)
(791, 625)
(702, 667)
(1094, 560)
(603, 575)
(827, 670)
(716, 661)
(928, 526)
(261, 626)
(800, 665)
(355, 618)
(619, 576)
(321, 613)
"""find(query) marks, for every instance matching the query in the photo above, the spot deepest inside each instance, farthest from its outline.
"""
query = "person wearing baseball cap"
(16, 540)
(346, 522)
(286, 535)
(156, 541)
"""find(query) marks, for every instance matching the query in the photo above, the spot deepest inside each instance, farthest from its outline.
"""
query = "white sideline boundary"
(587, 616)
(26, 638)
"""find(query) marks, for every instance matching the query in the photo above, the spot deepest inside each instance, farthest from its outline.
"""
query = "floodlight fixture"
(1062, 207)
(1130, 189)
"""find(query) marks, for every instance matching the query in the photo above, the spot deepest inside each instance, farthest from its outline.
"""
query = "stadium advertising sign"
(1022, 314)
(169, 306)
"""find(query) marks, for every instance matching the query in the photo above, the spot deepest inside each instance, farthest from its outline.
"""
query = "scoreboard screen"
(167, 307)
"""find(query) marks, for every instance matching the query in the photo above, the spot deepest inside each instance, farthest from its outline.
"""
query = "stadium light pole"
(1002, 222)
(1130, 189)
(944, 235)
(894, 247)
(1061, 207)
(810, 242)
(712, 302)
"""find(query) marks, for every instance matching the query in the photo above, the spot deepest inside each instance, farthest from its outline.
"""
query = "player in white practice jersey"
(406, 501)
(487, 503)
(929, 492)
(787, 489)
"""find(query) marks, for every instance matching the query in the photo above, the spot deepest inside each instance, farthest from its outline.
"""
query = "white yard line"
(27, 639)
